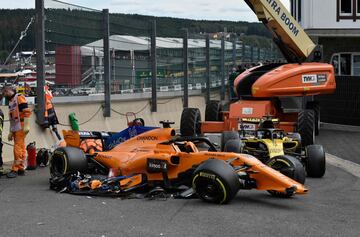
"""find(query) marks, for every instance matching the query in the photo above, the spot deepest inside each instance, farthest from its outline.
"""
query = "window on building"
(346, 7)
(292, 7)
(346, 64)
(356, 65)
(295, 8)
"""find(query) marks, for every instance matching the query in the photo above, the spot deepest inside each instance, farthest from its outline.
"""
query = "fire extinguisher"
(31, 161)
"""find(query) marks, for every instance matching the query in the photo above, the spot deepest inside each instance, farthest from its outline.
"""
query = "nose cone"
(300, 189)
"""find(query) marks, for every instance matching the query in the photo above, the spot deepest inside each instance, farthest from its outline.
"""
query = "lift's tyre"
(213, 111)
(289, 166)
(226, 136)
(67, 160)
(215, 181)
(315, 106)
(190, 122)
(233, 145)
(306, 127)
(315, 161)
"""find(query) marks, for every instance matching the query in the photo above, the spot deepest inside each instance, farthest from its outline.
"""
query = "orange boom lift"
(284, 91)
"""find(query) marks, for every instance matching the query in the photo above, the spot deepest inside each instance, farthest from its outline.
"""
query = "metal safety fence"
(91, 52)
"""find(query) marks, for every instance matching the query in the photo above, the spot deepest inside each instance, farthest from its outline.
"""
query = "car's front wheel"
(215, 181)
(67, 160)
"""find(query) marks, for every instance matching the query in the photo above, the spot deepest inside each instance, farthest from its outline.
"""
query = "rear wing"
(291, 39)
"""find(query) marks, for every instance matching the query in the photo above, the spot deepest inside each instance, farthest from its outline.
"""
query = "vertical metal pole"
(252, 54)
(243, 52)
(234, 50)
(222, 92)
(186, 68)
(113, 71)
(208, 83)
(107, 69)
(153, 69)
(40, 60)
(259, 52)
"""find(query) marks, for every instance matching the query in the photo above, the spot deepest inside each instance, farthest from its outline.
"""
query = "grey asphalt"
(331, 208)
(342, 143)
(29, 208)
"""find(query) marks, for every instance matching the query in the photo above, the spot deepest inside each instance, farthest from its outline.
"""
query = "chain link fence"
(89, 52)
(75, 41)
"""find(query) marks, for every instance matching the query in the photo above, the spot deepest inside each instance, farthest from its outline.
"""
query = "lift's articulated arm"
(292, 40)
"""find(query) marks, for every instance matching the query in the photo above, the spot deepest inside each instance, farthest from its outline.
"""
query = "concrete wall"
(168, 109)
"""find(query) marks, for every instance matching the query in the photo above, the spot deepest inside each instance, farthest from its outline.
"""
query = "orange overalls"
(18, 110)
(48, 104)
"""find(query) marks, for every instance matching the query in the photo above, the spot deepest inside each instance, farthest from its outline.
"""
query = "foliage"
(79, 27)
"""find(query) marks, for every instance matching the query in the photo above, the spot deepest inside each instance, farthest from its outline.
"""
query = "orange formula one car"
(160, 161)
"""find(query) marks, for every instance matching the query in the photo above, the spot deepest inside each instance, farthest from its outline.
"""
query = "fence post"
(251, 54)
(243, 52)
(259, 56)
(208, 82)
(153, 69)
(234, 50)
(186, 68)
(222, 62)
(40, 60)
(107, 69)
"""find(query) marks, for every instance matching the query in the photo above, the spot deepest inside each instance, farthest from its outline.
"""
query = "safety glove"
(26, 125)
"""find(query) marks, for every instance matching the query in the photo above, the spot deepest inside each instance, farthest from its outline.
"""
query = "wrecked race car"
(158, 161)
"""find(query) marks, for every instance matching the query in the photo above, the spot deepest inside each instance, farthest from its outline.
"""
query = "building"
(335, 24)
(131, 67)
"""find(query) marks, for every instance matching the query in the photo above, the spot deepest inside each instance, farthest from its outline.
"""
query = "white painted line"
(346, 165)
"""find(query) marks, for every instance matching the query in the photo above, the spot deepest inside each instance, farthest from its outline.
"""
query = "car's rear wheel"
(67, 160)
(227, 136)
(190, 123)
(315, 161)
(213, 111)
(215, 181)
(233, 145)
(289, 166)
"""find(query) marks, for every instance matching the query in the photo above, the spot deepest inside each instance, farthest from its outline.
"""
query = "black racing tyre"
(215, 181)
(233, 145)
(213, 111)
(226, 136)
(306, 127)
(289, 166)
(315, 106)
(67, 160)
(315, 161)
(190, 124)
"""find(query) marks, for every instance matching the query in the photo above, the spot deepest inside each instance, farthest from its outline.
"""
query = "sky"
(234, 10)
